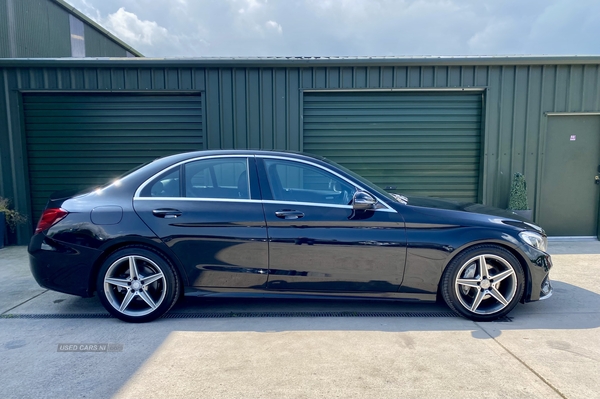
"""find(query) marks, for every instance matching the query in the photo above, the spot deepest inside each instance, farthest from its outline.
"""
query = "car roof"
(193, 154)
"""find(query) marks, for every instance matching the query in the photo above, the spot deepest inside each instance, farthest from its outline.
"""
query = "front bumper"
(539, 264)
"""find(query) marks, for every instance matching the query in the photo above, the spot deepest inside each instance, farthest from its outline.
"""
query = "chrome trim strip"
(196, 199)
(145, 183)
(324, 205)
(390, 209)
(252, 201)
(571, 113)
(402, 89)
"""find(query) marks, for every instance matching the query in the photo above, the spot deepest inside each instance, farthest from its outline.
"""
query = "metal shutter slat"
(84, 140)
(421, 143)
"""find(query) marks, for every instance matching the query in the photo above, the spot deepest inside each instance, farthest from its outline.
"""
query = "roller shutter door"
(413, 143)
(81, 140)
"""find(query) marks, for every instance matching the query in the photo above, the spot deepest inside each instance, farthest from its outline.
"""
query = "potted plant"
(517, 201)
(8, 217)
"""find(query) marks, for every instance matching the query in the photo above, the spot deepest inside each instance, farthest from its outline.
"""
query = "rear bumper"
(61, 267)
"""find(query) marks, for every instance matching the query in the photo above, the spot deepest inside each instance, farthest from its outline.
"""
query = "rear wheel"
(483, 283)
(137, 285)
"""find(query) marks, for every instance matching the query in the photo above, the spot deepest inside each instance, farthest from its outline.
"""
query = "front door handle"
(289, 214)
(166, 213)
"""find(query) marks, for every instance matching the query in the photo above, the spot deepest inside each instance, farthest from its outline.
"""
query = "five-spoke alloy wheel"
(136, 284)
(483, 283)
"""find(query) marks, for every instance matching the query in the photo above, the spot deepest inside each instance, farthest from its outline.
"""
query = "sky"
(249, 28)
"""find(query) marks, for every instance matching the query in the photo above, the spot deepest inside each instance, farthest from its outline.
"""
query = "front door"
(569, 190)
(208, 211)
(317, 242)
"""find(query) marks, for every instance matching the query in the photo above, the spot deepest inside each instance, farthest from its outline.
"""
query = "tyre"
(483, 283)
(137, 285)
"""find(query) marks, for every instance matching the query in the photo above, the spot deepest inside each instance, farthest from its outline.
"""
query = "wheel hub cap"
(136, 285)
(485, 284)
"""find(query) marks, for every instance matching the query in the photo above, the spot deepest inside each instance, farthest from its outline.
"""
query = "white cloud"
(350, 27)
(131, 29)
(272, 25)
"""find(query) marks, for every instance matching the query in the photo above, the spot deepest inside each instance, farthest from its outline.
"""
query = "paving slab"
(265, 357)
(19, 285)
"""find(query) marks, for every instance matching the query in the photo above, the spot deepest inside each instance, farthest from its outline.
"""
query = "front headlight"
(536, 240)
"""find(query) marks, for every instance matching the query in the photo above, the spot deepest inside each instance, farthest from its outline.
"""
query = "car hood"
(471, 207)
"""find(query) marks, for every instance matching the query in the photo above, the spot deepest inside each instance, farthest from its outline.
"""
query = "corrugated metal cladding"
(34, 28)
(259, 103)
(81, 140)
(407, 142)
(40, 29)
(96, 44)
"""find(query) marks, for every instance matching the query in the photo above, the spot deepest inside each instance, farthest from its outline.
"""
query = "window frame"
(181, 165)
(263, 175)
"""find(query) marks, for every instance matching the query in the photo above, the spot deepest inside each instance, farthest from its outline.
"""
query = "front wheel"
(483, 283)
(137, 285)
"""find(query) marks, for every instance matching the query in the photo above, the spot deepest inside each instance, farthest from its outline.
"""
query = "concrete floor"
(548, 349)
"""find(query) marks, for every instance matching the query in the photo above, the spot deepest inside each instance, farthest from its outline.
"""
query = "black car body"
(217, 222)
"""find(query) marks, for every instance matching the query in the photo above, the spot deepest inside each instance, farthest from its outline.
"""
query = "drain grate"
(224, 315)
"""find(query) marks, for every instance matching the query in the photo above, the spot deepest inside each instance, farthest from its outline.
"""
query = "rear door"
(208, 211)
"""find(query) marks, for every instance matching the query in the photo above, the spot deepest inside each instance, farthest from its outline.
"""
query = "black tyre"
(137, 285)
(483, 283)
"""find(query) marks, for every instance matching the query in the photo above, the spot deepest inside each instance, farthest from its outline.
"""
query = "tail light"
(49, 218)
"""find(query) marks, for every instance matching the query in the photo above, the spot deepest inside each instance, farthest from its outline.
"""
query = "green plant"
(518, 193)
(13, 218)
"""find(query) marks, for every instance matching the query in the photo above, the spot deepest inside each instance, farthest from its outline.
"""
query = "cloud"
(131, 29)
(192, 28)
(272, 25)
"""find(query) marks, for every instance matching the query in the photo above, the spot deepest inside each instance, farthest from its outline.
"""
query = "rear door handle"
(289, 214)
(166, 213)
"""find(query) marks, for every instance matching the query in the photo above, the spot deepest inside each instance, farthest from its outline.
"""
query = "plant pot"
(526, 213)
(2, 229)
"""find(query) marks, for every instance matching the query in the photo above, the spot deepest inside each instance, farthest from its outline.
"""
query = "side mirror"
(363, 201)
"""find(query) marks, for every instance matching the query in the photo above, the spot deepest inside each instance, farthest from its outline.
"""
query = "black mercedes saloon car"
(248, 222)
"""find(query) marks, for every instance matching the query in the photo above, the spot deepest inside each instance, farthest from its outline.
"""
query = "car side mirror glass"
(363, 201)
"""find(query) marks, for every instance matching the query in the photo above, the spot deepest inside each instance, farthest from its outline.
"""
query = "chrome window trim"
(196, 199)
(256, 201)
(147, 181)
(388, 208)
(248, 156)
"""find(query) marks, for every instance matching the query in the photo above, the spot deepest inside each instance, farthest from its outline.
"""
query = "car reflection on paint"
(246, 222)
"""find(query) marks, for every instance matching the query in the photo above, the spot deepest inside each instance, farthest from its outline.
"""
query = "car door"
(208, 211)
(317, 241)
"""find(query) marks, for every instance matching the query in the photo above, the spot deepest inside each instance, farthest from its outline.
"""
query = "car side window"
(217, 178)
(166, 185)
(300, 182)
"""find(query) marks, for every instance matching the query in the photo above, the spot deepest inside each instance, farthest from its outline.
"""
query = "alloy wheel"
(486, 284)
(135, 285)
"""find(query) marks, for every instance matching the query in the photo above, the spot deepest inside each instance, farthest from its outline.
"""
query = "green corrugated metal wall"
(259, 105)
(411, 143)
(40, 28)
(81, 140)
(96, 44)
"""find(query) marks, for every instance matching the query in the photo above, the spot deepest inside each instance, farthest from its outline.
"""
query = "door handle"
(289, 214)
(166, 213)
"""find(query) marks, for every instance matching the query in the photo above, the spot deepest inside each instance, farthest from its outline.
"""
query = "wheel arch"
(499, 243)
(159, 248)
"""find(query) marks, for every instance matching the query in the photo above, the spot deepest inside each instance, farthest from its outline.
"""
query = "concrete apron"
(546, 349)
